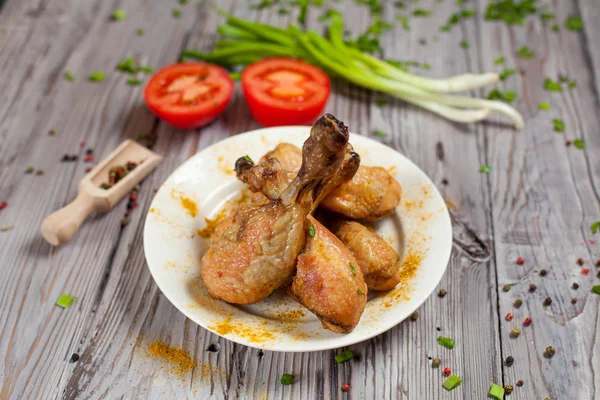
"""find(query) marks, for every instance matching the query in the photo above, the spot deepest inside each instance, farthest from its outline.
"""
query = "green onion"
(579, 143)
(574, 23)
(559, 125)
(235, 75)
(496, 391)
(176, 13)
(555, 28)
(282, 11)
(380, 101)
(547, 16)
(353, 269)
(119, 15)
(69, 76)
(287, 379)
(139, 32)
(496, 94)
(572, 84)
(549, 84)
(419, 12)
(446, 342)
(96, 77)
(525, 52)
(330, 13)
(344, 356)
(399, 4)
(510, 11)
(183, 2)
(485, 169)
(380, 133)
(452, 382)
(499, 60)
(145, 69)
(595, 227)
(311, 230)
(127, 66)
(134, 82)
(544, 105)
(506, 73)
(464, 44)
(404, 22)
(467, 13)
(359, 292)
(596, 289)
(64, 301)
(247, 157)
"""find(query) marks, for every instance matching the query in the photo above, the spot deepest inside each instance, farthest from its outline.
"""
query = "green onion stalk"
(246, 42)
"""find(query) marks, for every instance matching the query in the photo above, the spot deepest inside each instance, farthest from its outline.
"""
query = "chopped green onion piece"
(380, 101)
(499, 60)
(359, 292)
(127, 66)
(69, 76)
(183, 2)
(282, 11)
(496, 94)
(96, 77)
(596, 289)
(404, 22)
(496, 391)
(145, 69)
(353, 269)
(544, 105)
(380, 133)
(452, 382)
(176, 13)
(425, 66)
(235, 75)
(311, 230)
(546, 16)
(574, 23)
(446, 342)
(559, 125)
(595, 227)
(464, 44)
(572, 84)
(287, 379)
(485, 169)
(247, 157)
(549, 84)
(506, 73)
(525, 52)
(64, 301)
(344, 356)
(467, 13)
(134, 82)
(330, 13)
(555, 28)
(399, 4)
(579, 143)
(139, 32)
(510, 11)
(119, 15)
(419, 12)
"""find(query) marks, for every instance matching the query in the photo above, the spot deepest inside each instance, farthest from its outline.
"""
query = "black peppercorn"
(442, 293)
(575, 285)
(550, 352)
(509, 361)
(506, 288)
(543, 272)
(74, 357)
(573, 301)
(519, 383)
(547, 301)
(532, 288)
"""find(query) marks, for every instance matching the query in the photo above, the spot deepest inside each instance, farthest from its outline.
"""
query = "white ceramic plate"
(205, 185)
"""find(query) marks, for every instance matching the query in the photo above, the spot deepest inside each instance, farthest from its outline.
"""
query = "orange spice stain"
(178, 359)
(188, 204)
(426, 190)
(392, 170)
(224, 166)
(226, 211)
(410, 265)
(412, 205)
(242, 329)
(450, 204)
(290, 315)
(170, 265)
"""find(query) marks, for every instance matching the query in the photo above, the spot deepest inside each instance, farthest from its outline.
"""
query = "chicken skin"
(378, 261)
(255, 253)
(371, 194)
(328, 280)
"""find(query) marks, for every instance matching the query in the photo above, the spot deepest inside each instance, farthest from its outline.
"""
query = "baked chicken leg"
(256, 252)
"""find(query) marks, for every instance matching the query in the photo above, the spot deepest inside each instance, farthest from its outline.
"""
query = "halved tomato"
(189, 95)
(284, 91)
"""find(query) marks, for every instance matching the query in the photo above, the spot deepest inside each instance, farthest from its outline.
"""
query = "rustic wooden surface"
(538, 202)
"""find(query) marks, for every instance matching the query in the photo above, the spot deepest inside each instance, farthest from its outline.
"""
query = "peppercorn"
(89, 151)
(598, 275)
(515, 332)
(518, 303)
(509, 316)
(550, 352)
(124, 221)
(506, 288)
(575, 286)
(580, 261)
(532, 288)
(585, 271)
(520, 261)
(543, 272)
(436, 363)
(509, 361)
(568, 143)
(573, 301)
(52, 132)
(527, 321)
(444, 181)
(447, 371)
(519, 383)
(3, 205)
(547, 301)
(414, 316)
(29, 170)
(213, 348)
(89, 158)
(442, 293)
(598, 263)
(82, 144)
(4, 228)
(40, 172)
(74, 357)
(260, 353)
(345, 387)
(132, 196)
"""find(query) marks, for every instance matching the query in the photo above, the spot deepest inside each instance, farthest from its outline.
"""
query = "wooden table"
(538, 202)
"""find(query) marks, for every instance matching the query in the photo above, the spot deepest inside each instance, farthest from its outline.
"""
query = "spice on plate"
(40, 172)
(4, 228)
(353, 270)
(213, 348)
(3, 205)
(518, 303)
(436, 362)
(527, 321)
(547, 301)
(442, 293)
(585, 271)
(509, 361)
(515, 332)
(179, 359)
(496, 391)
(596, 289)
(446, 342)
(414, 316)
(550, 352)
(124, 221)
(344, 356)
(287, 379)
(505, 288)
(311, 229)
(452, 382)
(52, 132)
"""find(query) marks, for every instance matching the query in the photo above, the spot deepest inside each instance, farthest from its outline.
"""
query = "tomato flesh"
(189, 95)
(283, 91)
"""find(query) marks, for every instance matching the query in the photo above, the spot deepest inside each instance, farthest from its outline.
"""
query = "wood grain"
(538, 202)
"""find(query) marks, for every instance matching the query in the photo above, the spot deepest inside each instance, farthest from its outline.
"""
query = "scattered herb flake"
(446, 342)
(467, 13)
(574, 23)
(485, 169)
(139, 32)
(69, 76)
(425, 66)
(547, 16)
(64, 301)
(506, 73)
(420, 12)
(510, 11)
(595, 227)
(380, 133)
(559, 125)
(311, 230)
(247, 157)
(176, 13)
(344, 356)
(127, 65)
(596, 289)
(380, 101)
(399, 4)
(579, 143)
(551, 85)
(464, 44)
(496, 94)
(544, 105)
(134, 82)
(555, 28)
(282, 11)
(119, 15)
(404, 22)
(499, 60)
(235, 75)
(96, 76)
(287, 379)
(353, 269)
(145, 69)
(496, 391)
(183, 2)
(330, 13)
(572, 84)
(452, 382)
(525, 52)
(359, 292)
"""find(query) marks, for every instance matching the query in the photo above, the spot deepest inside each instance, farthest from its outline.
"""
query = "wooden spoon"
(60, 226)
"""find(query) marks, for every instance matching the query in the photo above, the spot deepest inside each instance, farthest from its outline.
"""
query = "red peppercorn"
(3, 205)
(119, 171)
(527, 321)
(89, 158)
(135, 204)
(568, 143)
(592, 241)
(127, 213)
(345, 387)
(520, 261)
(82, 144)
(447, 371)
(585, 271)
(132, 197)
(509, 316)
(88, 169)
(111, 179)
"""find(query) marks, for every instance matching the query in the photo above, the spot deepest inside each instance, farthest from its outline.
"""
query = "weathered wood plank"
(544, 199)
